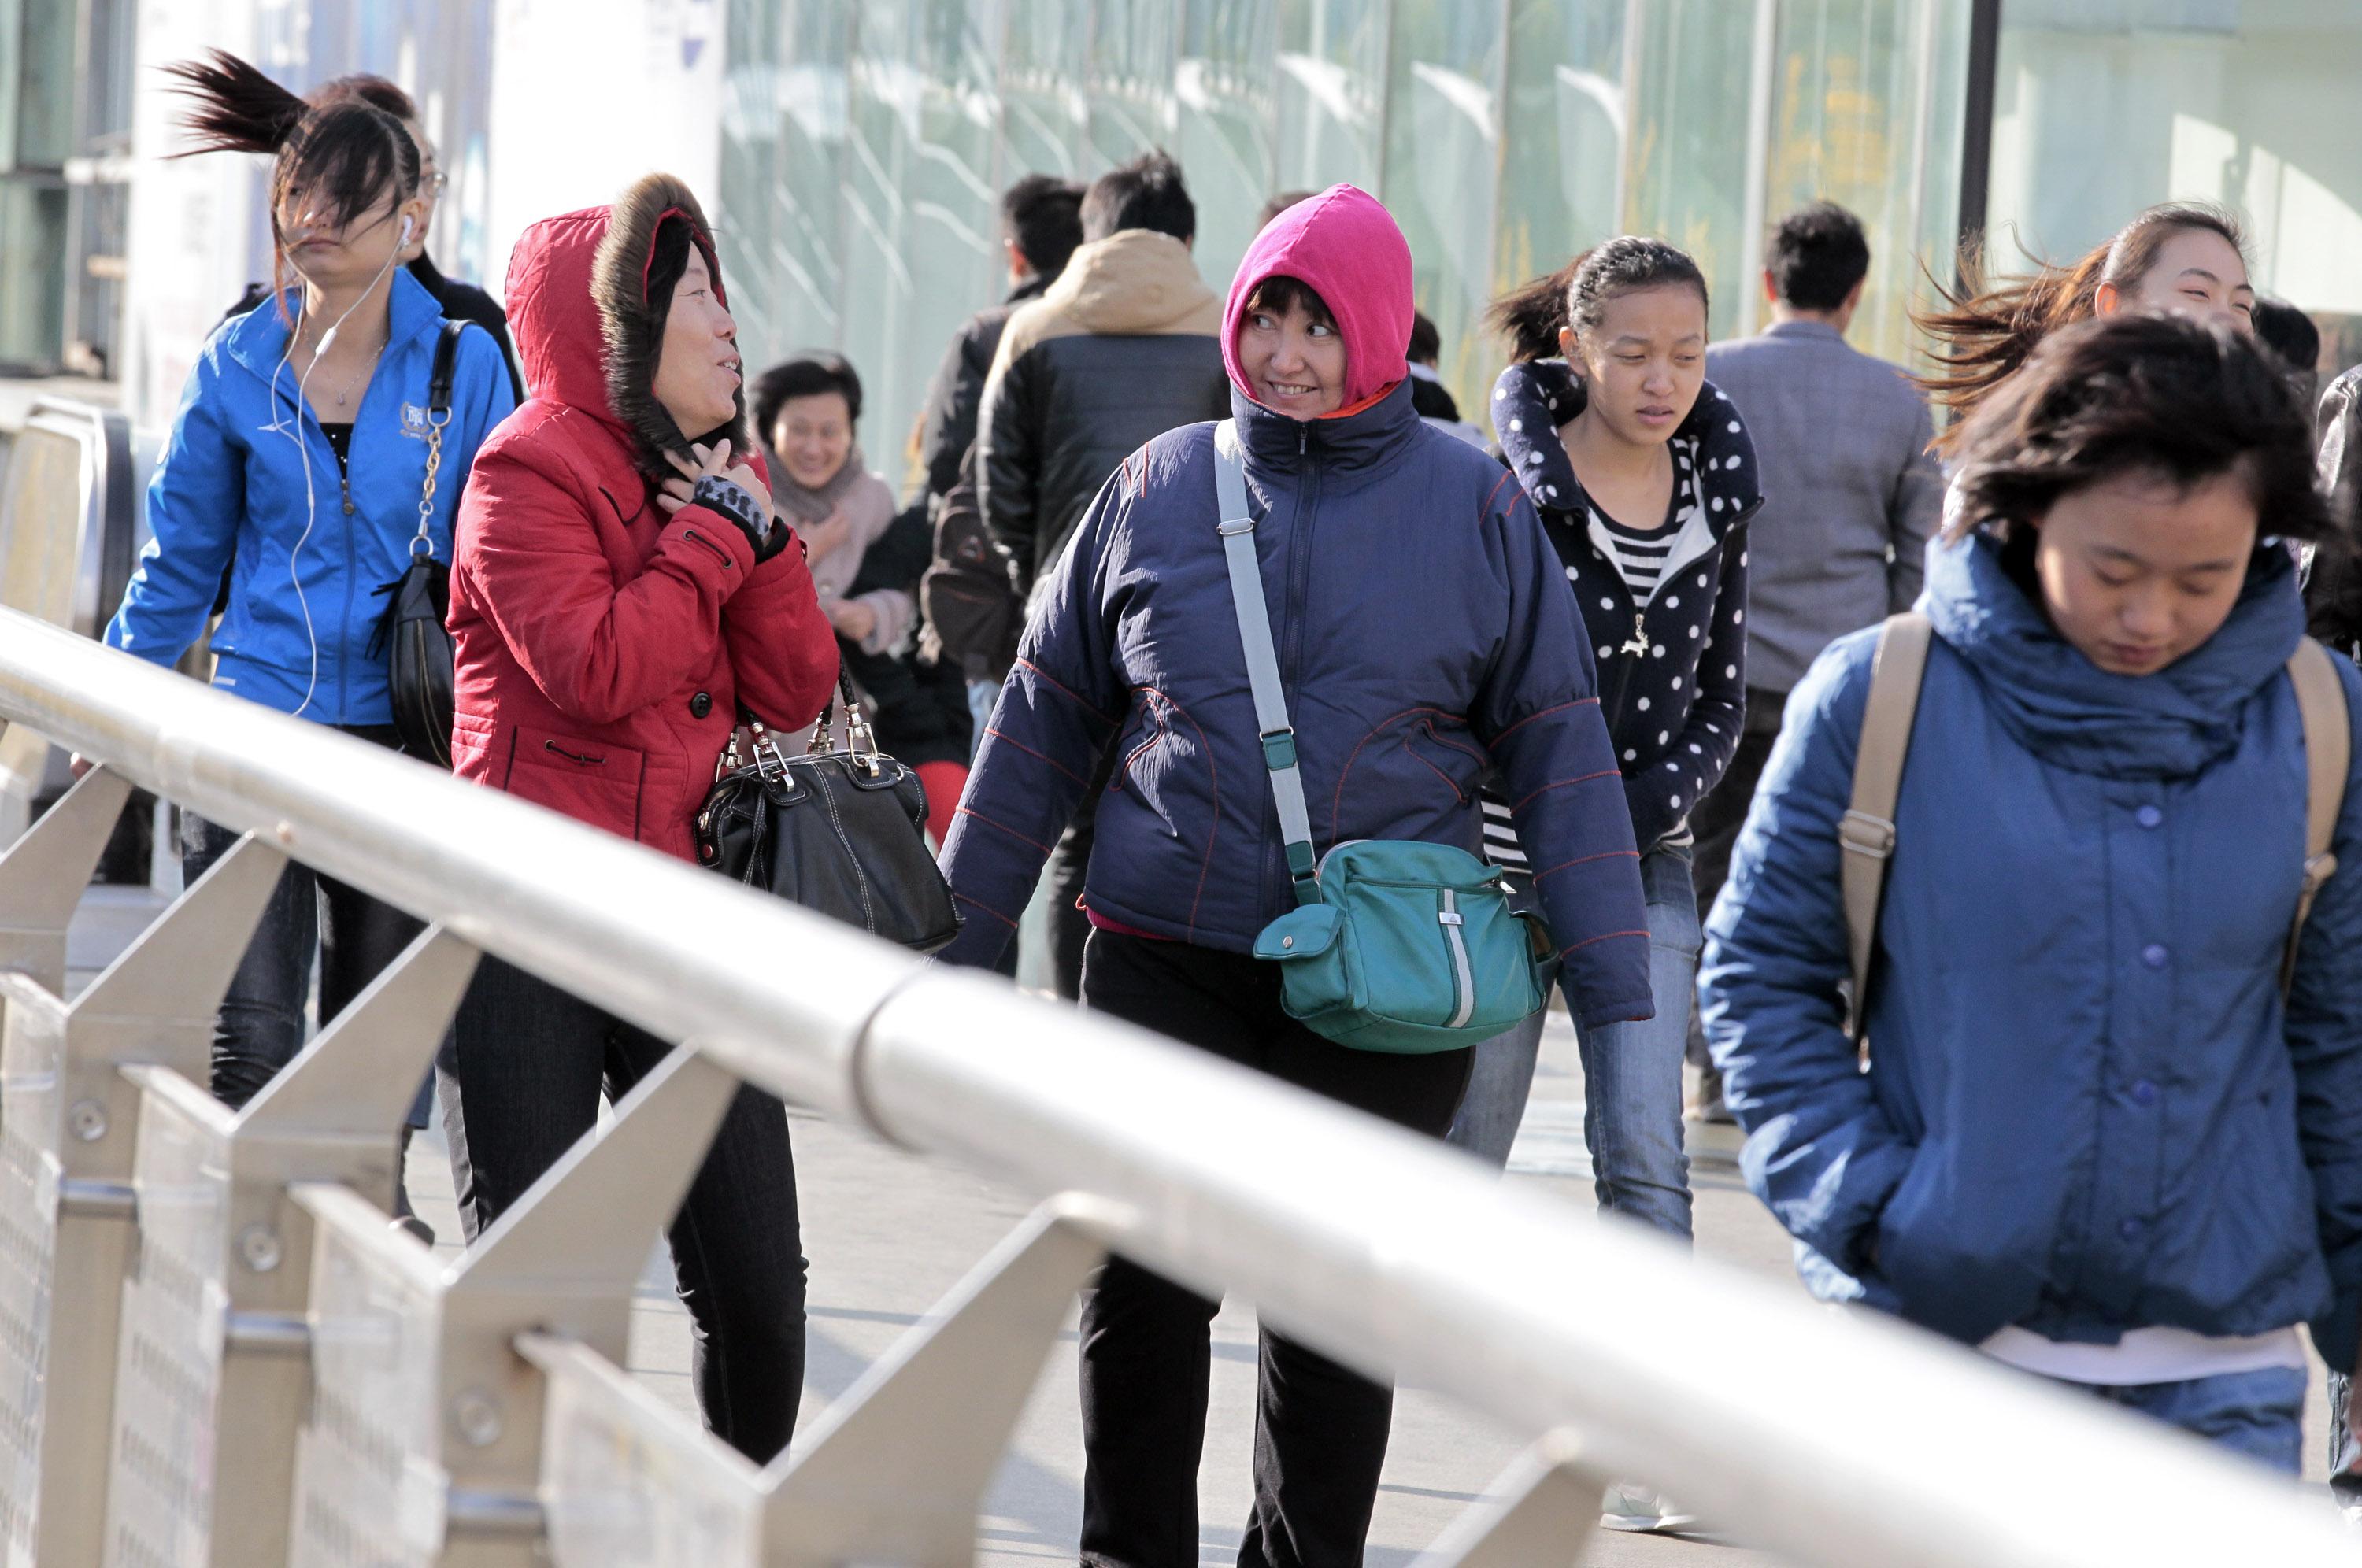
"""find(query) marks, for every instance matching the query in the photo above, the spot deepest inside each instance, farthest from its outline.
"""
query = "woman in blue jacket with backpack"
(293, 490)
(2102, 1136)
(1407, 613)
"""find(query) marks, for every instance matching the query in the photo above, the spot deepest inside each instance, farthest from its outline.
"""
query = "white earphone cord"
(303, 451)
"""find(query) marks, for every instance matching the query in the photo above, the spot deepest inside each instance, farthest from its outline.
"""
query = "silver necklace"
(367, 365)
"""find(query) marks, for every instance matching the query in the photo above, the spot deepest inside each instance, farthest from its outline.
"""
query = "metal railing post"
(895, 1473)
(214, 1367)
(68, 1148)
(1540, 1513)
(423, 1412)
(42, 876)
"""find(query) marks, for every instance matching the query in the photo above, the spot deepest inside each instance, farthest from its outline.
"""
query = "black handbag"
(411, 634)
(839, 832)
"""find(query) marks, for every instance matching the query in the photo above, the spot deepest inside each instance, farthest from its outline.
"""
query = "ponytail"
(1531, 315)
(236, 107)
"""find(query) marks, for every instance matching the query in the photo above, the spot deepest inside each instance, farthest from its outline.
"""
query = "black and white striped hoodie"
(1671, 664)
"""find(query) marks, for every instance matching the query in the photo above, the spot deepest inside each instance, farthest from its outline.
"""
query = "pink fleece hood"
(1346, 248)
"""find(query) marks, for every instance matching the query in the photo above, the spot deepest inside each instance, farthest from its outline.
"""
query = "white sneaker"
(1642, 1511)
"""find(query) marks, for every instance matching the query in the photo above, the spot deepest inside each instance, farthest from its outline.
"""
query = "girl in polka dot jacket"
(1644, 478)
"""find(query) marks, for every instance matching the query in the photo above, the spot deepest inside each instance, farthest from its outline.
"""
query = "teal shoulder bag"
(1396, 945)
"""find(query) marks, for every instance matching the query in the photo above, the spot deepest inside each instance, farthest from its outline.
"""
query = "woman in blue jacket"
(2092, 1140)
(288, 497)
(1424, 638)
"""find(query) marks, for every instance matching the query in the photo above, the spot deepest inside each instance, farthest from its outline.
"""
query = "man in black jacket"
(1122, 347)
(1040, 223)
(1125, 346)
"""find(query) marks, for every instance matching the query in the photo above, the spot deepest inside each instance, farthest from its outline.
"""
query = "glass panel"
(1044, 113)
(1866, 113)
(1688, 159)
(32, 271)
(1226, 86)
(2101, 110)
(1333, 79)
(1443, 150)
(1130, 97)
(1564, 150)
(783, 130)
(922, 217)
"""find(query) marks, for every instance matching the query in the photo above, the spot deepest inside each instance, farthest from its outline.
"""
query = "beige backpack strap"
(2328, 753)
(1867, 829)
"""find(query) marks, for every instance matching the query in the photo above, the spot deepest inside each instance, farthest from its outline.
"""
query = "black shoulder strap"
(447, 362)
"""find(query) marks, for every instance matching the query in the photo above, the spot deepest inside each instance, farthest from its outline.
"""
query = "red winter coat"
(602, 646)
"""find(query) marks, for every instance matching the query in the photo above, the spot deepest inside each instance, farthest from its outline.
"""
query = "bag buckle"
(1862, 833)
(1279, 748)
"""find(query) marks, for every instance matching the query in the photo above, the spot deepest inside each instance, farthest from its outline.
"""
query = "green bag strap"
(1277, 734)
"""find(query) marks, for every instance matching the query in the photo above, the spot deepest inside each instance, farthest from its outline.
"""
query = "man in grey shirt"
(1851, 497)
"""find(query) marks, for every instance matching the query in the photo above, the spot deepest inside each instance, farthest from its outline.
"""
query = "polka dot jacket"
(1672, 670)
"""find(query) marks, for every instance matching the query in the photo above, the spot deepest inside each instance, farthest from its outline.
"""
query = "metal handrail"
(1828, 1437)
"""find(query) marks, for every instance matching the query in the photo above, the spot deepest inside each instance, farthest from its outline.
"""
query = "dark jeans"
(527, 1065)
(1719, 817)
(1320, 1430)
(261, 1026)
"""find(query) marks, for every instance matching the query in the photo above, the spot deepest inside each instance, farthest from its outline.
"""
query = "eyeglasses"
(434, 182)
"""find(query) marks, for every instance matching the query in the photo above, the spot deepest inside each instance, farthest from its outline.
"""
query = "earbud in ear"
(405, 231)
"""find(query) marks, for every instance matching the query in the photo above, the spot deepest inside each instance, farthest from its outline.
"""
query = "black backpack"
(968, 595)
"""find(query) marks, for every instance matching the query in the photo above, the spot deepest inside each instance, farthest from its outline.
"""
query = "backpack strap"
(2328, 753)
(1277, 734)
(1867, 829)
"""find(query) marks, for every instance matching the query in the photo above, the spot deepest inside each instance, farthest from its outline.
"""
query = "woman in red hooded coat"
(621, 588)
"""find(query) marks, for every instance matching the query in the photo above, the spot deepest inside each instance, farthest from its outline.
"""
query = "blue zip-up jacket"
(2087, 1110)
(230, 491)
(1425, 635)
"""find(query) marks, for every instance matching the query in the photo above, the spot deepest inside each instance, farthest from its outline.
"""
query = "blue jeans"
(2260, 1414)
(1631, 1072)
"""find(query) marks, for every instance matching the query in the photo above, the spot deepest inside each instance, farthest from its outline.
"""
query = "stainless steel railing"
(206, 1312)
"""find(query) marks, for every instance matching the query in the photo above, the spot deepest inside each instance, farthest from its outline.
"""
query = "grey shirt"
(1850, 492)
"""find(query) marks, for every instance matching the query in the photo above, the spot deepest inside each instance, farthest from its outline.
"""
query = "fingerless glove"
(717, 494)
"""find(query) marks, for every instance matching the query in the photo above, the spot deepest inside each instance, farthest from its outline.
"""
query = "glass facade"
(864, 145)
(2104, 106)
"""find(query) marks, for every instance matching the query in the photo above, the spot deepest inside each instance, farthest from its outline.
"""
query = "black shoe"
(416, 1227)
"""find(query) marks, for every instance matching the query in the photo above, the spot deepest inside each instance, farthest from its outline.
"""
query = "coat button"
(2155, 955)
(701, 705)
(2129, 1228)
(2148, 816)
(2144, 1093)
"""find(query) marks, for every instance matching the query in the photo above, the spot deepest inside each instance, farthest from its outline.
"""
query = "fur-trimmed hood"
(585, 332)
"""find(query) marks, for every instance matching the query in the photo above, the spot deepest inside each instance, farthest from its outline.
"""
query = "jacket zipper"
(1450, 922)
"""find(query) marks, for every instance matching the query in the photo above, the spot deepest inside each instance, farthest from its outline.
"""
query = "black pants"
(261, 1026)
(1723, 811)
(1320, 1430)
(527, 1065)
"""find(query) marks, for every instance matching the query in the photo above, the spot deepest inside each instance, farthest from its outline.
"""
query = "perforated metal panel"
(364, 1498)
(29, 1130)
(630, 1483)
(168, 1371)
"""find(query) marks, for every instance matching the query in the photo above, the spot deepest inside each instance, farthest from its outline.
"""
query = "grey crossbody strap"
(1278, 736)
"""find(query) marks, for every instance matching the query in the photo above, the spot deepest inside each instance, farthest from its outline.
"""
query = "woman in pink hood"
(1427, 643)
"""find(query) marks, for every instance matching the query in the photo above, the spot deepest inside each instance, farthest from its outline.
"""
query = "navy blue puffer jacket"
(2087, 1109)
(1426, 637)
